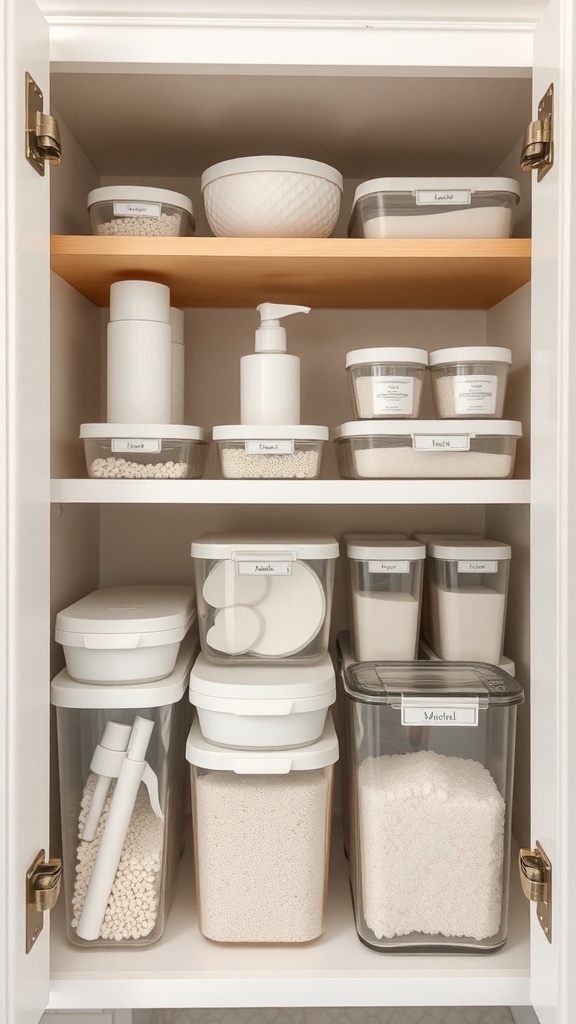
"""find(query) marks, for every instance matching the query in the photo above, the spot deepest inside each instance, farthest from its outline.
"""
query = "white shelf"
(184, 969)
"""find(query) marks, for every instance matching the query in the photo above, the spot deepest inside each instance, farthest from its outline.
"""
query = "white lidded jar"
(139, 353)
(470, 382)
(178, 359)
(386, 382)
(270, 377)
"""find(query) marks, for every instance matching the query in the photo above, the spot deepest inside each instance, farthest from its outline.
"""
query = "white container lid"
(481, 549)
(387, 355)
(247, 164)
(139, 300)
(125, 617)
(163, 431)
(471, 354)
(66, 692)
(262, 682)
(446, 538)
(240, 432)
(414, 428)
(413, 185)
(381, 547)
(127, 193)
(203, 754)
(297, 545)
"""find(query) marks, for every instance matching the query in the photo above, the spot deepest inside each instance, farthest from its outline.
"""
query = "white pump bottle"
(269, 377)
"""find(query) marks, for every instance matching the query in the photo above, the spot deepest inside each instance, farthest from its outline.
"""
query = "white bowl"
(273, 197)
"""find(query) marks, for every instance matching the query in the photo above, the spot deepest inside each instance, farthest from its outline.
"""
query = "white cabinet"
(351, 87)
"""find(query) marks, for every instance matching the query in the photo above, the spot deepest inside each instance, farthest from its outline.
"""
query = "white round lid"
(240, 432)
(133, 609)
(256, 682)
(164, 431)
(469, 548)
(245, 164)
(141, 193)
(203, 754)
(414, 428)
(375, 185)
(385, 548)
(66, 692)
(471, 354)
(387, 355)
(297, 545)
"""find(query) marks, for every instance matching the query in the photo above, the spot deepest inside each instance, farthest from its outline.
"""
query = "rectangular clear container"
(144, 451)
(467, 596)
(140, 210)
(431, 754)
(470, 382)
(261, 827)
(123, 797)
(264, 597)
(270, 453)
(386, 383)
(427, 449)
(425, 538)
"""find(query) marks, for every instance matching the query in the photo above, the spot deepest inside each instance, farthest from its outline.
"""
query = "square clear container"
(470, 382)
(144, 451)
(427, 449)
(123, 797)
(261, 827)
(139, 210)
(424, 537)
(434, 208)
(270, 453)
(385, 591)
(431, 756)
(467, 597)
(386, 383)
(264, 597)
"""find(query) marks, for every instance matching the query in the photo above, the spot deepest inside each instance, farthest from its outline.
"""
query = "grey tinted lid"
(384, 682)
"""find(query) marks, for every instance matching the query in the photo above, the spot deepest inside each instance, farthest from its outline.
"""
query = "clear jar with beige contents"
(470, 382)
(386, 382)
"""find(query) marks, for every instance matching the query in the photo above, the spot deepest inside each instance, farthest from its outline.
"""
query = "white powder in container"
(385, 626)
(431, 838)
(467, 624)
(261, 848)
(404, 404)
(478, 222)
(390, 462)
(238, 464)
(474, 395)
(164, 225)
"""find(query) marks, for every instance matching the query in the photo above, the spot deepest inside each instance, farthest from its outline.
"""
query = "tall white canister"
(139, 352)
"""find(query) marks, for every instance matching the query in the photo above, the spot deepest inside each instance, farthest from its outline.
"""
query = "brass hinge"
(536, 877)
(43, 880)
(538, 148)
(42, 134)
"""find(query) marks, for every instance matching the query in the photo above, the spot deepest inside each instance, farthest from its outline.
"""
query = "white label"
(269, 447)
(392, 395)
(137, 209)
(443, 197)
(423, 711)
(135, 444)
(264, 568)
(477, 566)
(377, 566)
(475, 393)
(441, 442)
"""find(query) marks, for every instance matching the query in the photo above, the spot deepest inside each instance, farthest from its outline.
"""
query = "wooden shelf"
(327, 273)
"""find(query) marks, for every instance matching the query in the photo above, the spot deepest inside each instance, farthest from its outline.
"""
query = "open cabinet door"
(553, 785)
(24, 538)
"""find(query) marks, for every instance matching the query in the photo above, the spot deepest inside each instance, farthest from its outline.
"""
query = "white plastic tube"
(106, 763)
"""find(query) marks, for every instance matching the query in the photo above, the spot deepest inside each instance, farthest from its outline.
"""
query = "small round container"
(270, 453)
(470, 382)
(139, 210)
(139, 300)
(144, 451)
(386, 383)
(272, 197)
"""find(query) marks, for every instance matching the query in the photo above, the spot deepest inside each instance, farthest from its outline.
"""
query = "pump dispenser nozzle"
(271, 336)
(269, 377)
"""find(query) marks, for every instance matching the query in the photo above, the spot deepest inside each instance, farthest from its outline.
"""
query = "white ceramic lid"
(387, 355)
(246, 164)
(470, 354)
(164, 431)
(255, 682)
(240, 432)
(480, 549)
(298, 545)
(141, 193)
(385, 548)
(203, 754)
(412, 185)
(141, 609)
(415, 428)
(66, 692)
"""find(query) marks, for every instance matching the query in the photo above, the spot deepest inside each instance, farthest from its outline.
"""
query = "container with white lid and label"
(431, 757)
(262, 706)
(261, 827)
(425, 537)
(386, 383)
(123, 784)
(447, 449)
(127, 634)
(434, 208)
(144, 451)
(270, 452)
(469, 381)
(385, 579)
(467, 595)
(139, 210)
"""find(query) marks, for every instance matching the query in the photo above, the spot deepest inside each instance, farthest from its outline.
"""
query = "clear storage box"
(261, 826)
(271, 453)
(123, 796)
(386, 383)
(447, 449)
(426, 652)
(434, 208)
(264, 596)
(425, 538)
(469, 382)
(431, 752)
(139, 210)
(144, 451)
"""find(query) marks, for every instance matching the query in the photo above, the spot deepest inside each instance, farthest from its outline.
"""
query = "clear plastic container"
(139, 210)
(425, 538)
(264, 597)
(386, 383)
(431, 757)
(467, 596)
(385, 580)
(270, 453)
(261, 826)
(470, 383)
(434, 208)
(450, 449)
(123, 796)
(426, 652)
(144, 451)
